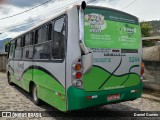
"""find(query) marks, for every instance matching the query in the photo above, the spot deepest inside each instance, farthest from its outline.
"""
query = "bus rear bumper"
(79, 99)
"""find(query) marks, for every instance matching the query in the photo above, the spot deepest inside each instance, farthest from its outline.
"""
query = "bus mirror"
(87, 61)
(7, 46)
(83, 5)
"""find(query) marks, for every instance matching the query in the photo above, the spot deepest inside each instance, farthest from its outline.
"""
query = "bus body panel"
(80, 99)
(114, 39)
(73, 49)
(50, 79)
(48, 75)
(116, 68)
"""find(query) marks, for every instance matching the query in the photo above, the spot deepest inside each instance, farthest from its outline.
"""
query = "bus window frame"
(65, 41)
(38, 45)
(26, 46)
(21, 47)
(33, 45)
(65, 37)
(12, 43)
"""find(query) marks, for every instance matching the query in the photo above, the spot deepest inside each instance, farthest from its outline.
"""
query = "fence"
(151, 53)
(3, 60)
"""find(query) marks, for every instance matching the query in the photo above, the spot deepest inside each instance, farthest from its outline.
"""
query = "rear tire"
(9, 79)
(35, 98)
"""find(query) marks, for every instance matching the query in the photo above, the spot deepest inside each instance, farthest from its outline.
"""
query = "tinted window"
(28, 39)
(41, 35)
(58, 39)
(27, 52)
(18, 43)
(42, 51)
(11, 52)
(18, 50)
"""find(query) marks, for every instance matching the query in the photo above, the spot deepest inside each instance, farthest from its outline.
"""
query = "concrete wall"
(152, 75)
(3, 60)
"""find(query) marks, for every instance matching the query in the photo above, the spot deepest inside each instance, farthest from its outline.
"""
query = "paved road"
(13, 98)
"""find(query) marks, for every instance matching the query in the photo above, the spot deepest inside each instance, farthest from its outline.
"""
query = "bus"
(81, 57)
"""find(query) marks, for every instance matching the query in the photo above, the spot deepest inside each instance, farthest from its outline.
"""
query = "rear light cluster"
(77, 66)
(142, 68)
(77, 74)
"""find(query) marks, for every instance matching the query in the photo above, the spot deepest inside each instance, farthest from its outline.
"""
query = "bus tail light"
(77, 75)
(78, 83)
(142, 68)
(142, 71)
(77, 67)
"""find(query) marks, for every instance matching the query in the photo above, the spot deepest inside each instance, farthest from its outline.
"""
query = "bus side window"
(28, 48)
(42, 34)
(58, 39)
(11, 52)
(42, 46)
(18, 49)
(27, 40)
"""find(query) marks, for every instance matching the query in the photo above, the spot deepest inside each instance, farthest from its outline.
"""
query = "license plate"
(113, 97)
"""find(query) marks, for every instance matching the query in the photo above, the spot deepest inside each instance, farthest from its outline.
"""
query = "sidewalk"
(149, 94)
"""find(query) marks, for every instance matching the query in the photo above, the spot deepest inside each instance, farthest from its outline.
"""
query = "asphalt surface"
(13, 98)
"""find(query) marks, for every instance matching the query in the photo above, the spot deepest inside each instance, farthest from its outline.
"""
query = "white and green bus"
(84, 56)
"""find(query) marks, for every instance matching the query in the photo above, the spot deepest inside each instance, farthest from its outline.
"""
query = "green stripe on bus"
(94, 79)
(79, 95)
(48, 87)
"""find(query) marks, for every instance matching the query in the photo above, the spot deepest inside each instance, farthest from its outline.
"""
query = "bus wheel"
(34, 95)
(9, 79)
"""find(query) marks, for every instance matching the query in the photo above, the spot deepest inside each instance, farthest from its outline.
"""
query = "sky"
(145, 10)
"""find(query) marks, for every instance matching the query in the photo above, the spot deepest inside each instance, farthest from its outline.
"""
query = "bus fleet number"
(134, 59)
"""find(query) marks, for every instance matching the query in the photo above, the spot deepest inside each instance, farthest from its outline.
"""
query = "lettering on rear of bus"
(134, 59)
(102, 60)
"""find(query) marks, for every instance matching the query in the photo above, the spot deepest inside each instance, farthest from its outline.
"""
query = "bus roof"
(64, 12)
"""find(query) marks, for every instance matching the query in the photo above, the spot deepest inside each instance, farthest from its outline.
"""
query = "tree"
(145, 29)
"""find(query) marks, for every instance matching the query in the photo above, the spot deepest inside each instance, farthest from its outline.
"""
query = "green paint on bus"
(110, 29)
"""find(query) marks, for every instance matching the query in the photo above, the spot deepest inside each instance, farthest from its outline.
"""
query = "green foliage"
(148, 43)
(7, 42)
(155, 24)
(145, 29)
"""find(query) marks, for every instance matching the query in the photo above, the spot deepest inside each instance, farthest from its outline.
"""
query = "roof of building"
(153, 38)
